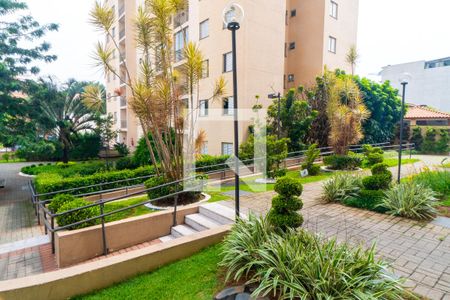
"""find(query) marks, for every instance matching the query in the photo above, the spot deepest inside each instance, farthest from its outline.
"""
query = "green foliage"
(310, 157)
(429, 143)
(283, 214)
(379, 169)
(417, 138)
(367, 199)
(410, 200)
(59, 201)
(385, 110)
(46, 183)
(85, 146)
(297, 263)
(71, 169)
(341, 187)
(374, 158)
(438, 181)
(126, 163)
(79, 215)
(6, 156)
(39, 151)
(342, 162)
(122, 148)
(296, 117)
(209, 163)
(377, 182)
(443, 144)
(277, 151)
(142, 154)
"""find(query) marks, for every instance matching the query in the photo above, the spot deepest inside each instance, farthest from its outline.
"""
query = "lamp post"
(404, 80)
(233, 15)
(277, 96)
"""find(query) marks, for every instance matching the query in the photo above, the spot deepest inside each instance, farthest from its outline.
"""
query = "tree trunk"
(65, 157)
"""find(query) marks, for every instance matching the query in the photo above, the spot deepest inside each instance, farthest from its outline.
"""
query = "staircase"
(209, 216)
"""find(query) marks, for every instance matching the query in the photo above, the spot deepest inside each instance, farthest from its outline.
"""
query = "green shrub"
(6, 156)
(59, 201)
(377, 182)
(443, 144)
(438, 181)
(368, 149)
(374, 158)
(342, 162)
(172, 188)
(310, 157)
(40, 151)
(283, 214)
(79, 215)
(122, 149)
(297, 263)
(410, 200)
(208, 163)
(367, 199)
(125, 163)
(341, 187)
(379, 169)
(86, 146)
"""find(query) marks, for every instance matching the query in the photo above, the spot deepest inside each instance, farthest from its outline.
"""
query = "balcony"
(122, 34)
(123, 124)
(121, 10)
(179, 55)
(181, 18)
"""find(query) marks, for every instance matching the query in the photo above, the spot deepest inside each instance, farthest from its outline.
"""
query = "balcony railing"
(179, 55)
(122, 34)
(181, 18)
(123, 124)
(121, 10)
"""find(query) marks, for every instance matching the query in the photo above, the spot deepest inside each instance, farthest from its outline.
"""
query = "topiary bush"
(283, 214)
(59, 201)
(380, 168)
(374, 158)
(342, 162)
(377, 182)
(79, 215)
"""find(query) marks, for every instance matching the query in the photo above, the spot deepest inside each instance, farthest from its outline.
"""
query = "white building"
(430, 82)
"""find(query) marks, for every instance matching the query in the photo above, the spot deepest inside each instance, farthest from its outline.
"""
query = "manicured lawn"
(16, 160)
(195, 277)
(392, 162)
(134, 212)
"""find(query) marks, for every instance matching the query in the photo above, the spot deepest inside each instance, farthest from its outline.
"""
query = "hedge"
(47, 183)
(209, 163)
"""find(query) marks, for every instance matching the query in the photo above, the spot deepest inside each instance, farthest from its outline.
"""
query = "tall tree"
(155, 93)
(352, 58)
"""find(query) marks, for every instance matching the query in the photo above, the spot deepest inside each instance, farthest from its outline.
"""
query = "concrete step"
(182, 230)
(218, 213)
(200, 222)
(167, 238)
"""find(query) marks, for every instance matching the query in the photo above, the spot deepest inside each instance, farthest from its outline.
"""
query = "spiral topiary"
(285, 206)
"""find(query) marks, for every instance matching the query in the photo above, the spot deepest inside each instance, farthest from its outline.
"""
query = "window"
(291, 78)
(204, 108)
(204, 149)
(432, 122)
(227, 62)
(227, 148)
(292, 46)
(334, 9)
(113, 32)
(115, 117)
(332, 44)
(181, 37)
(228, 106)
(205, 68)
(293, 13)
(204, 29)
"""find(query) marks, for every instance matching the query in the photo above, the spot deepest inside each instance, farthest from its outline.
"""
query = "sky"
(390, 32)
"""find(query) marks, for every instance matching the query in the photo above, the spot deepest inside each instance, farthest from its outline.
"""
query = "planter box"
(76, 246)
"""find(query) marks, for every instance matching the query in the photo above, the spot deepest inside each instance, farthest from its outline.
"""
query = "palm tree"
(352, 58)
(62, 112)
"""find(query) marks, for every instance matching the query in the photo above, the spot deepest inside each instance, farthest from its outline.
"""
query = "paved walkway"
(17, 219)
(418, 251)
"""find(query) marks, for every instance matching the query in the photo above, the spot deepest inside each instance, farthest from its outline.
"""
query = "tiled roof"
(425, 112)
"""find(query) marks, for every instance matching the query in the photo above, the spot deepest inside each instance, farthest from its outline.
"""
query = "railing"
(122, 34)
(123, 101)
(50, 217)
(181, 18)
(121, 10)
(222, 169)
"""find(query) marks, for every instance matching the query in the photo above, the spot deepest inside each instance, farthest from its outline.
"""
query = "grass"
(195, 277)
(393, 162)
(16, 160)
(134, 212)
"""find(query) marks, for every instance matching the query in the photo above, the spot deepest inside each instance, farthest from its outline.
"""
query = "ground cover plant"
(297, 264)
(341, 187)
(69, 169)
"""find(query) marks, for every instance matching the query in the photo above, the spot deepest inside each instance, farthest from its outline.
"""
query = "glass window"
(293, 13)
(204, 29)
(181, 37)
(292, 46)
(334, 9)
(227, 148)
(205, 68)
(228, 106)
(332, 44)
(227, 62)
(204, 149)
(291, 78)
(204, 108)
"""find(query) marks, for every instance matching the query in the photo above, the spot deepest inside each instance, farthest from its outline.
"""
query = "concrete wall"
(88, 277)
(77, 246)
(427, 86)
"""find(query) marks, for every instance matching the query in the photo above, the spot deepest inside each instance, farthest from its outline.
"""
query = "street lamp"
(404, 80)
(233, 15)
(277, 96)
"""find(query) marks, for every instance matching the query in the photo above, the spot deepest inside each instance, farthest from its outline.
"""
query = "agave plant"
(341, 187)
(301, 265)
(411, 200)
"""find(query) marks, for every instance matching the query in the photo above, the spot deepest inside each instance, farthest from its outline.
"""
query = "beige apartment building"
(281, 44)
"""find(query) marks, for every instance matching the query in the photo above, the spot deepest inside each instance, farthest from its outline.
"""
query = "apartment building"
(429, 83)
(280, 45)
